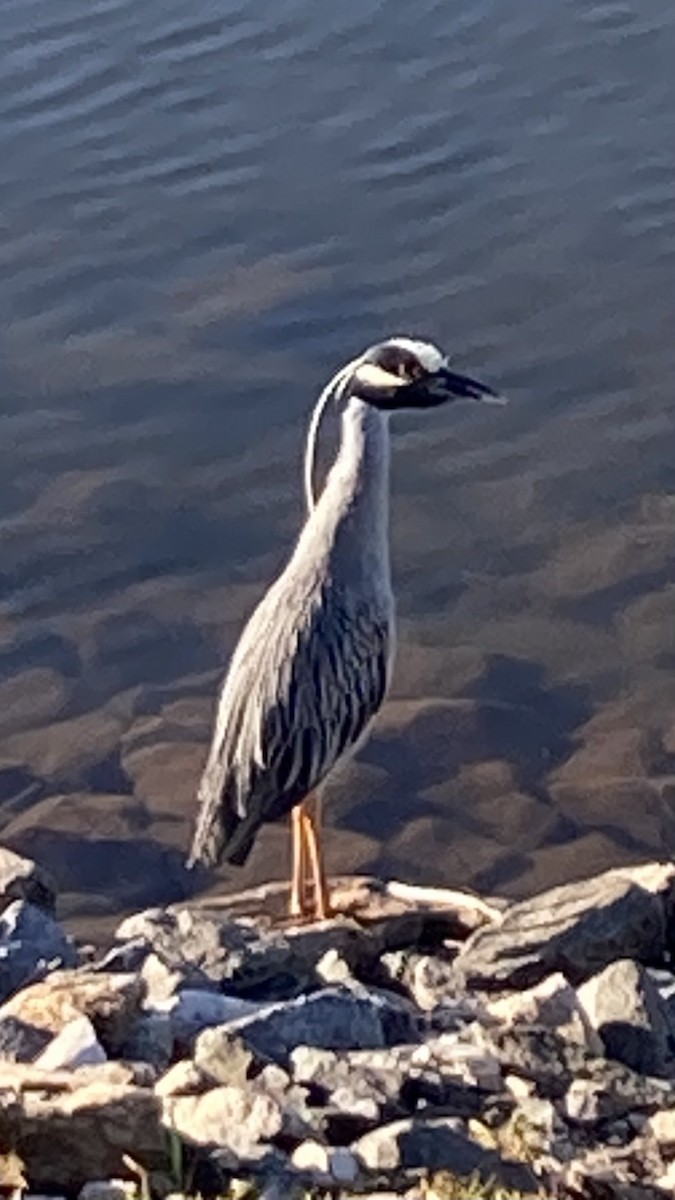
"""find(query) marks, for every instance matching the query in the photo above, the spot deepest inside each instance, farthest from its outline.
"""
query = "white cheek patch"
(376, 377)
(427, 355)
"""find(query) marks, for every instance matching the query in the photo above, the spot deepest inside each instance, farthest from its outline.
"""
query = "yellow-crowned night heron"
(313, 663)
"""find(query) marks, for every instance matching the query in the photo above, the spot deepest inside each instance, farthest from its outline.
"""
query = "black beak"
(447, 385)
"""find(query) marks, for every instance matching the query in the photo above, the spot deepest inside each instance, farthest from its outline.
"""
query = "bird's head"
(406, 373)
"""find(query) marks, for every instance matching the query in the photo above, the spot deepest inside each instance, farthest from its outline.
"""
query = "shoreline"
(418, 1042)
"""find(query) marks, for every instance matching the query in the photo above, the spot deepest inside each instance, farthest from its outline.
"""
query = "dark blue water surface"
(205, 209)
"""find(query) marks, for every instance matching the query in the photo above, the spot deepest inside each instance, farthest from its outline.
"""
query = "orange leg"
(298, 899)
(311, 819)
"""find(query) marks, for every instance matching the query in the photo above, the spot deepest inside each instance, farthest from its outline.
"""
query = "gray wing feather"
(309, 673)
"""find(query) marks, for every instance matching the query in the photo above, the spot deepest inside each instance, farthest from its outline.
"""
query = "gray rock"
(608, 1091)
(578, 929)
(108, 1189)
(22, 879)
(20, 1041)
(356, 1090)
(431, 982)
(75, 1046)
(615, 1173)
(437, 1145)
(191, 1010)
(209, 949)
(299, 1120)
(543, 1056)
(150, 1040)
(623, 1004)
(31, 943)
(331, 1019)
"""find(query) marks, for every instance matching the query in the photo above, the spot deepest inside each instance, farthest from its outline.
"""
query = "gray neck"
(360, 476)
(351, 517)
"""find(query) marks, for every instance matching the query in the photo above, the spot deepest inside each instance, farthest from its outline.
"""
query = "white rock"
(182, 1079)
(160, 981)
(520, 1089)
(75, 1046)
(333, 968)
(667, 1182)
(238, 1119)
(325, 1164)
(467, 1057)
(313, 1157)
(306, 1061)
(662, 1128)
(137, 925)
(552, 1002)
(581, 1100)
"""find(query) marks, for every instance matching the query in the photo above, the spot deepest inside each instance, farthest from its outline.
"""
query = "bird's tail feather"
(220, 832)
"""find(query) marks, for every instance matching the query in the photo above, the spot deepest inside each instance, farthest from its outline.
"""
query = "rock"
(623, 1004)
(219, 944)
(535, 1133)
(325, 1165)
(75, 1136)
(577, 929)
(437, 1145)
(108, 1189)
(126, 958)
(331, 1019)
(553, 1003)
(161, 983)
(192, 1010)
(30, 943)
(352, 1092)
(21, 1042)
(661, 1126)
(222, 1056)
(469, 1056)
(395, 914)
(27, 1077)
(358, 1089)
(22, 879)
(332, 968)
(209, 949)
(75, 1046)
(150, 1040)
(613, 1092)
(612, 1173)
(184, 1078)
(542, 1056)
(432, 983)
(299, 1120)
(240, 1120)
(112, 1003)
(666, 1181)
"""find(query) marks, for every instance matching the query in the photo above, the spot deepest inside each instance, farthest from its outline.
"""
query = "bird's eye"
(401, 363)
(414, 371)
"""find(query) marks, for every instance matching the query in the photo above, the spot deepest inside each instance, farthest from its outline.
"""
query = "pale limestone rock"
(237, 1119)
(111, 1002)
(184, 1078)
(75, 1046)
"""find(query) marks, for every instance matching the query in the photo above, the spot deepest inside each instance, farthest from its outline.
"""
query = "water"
(206, 209)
